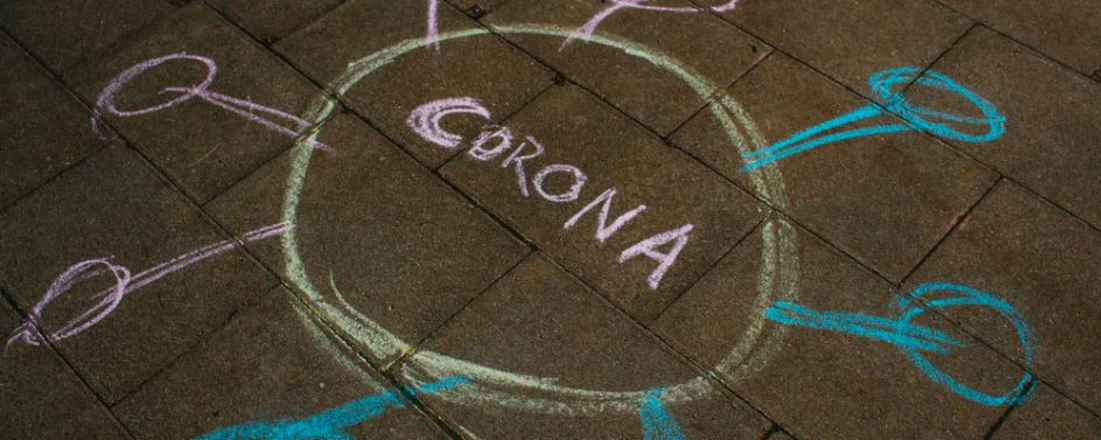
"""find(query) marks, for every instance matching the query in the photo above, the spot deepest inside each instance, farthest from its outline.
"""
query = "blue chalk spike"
(328, 424)
(915, 118)
(657, 422)
(895, 332)
(914, 340)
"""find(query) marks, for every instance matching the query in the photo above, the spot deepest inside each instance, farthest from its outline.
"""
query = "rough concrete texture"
(531, 219)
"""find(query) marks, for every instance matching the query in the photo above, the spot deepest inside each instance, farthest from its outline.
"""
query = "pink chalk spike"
(105, 104)
(425, 120)
(30, 332)
(585, 32)
(433, 32)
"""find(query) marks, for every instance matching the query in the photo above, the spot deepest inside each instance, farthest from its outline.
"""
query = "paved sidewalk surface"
(533, 219)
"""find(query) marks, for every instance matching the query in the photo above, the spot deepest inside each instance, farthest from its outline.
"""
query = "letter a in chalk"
(648, 247)
(603, 231)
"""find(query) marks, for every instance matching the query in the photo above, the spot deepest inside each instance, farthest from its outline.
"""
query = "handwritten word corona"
(495, 141)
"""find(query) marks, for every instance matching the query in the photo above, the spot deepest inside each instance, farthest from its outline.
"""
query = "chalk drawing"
(31, 331)
(916, 340)
(246, 109)
(585, 32)
(603, 230)
(433, 31)
(913, 118)
(778, 278)
(425, 121)
(329, 424)
(657, 422)
(649, 247)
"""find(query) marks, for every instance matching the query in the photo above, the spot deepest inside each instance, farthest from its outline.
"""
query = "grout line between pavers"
(961, 150)
(778, 48)
(546, 65)
(203, 340)
(403, 359)
(270, 41)
(688, 362)
(925, 69)
(1005, 415)
(48, 340)
(959, 220)
(1028, 46)
(774, 48)
(503, 121)
(719, 92)
(76, 100)
(692, 285)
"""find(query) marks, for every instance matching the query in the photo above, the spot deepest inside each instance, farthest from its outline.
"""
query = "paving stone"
(718, 52)
(271, 364)
(65, 33)
(1049, 415)
(483, 6)
(270, 20)
(538, 321)
(1068, 31)
(1052, 133)
(400, 246)
(45, 128)
(481, 67)
(203, 147)
(1042, 262)
(886, 200)
(780, 436)
(850, 40)
(114, 206)
(35, 384)
(579, 130)
(823, 384)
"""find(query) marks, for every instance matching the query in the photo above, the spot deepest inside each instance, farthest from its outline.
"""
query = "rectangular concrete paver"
(378, 237)
(850, 40)
(639, 79)
(1051, 116)
(589, 216)
(601, 369)
(201, 145)
(272, 365)
(44, 399)
(270, 20)
(477, 7)
(825, 384)
(61, 240)
(1069, 31)
(64, 33)
(481, 67)
(885, 199)
(46, 128)
(1049, 415)
(1043, 263)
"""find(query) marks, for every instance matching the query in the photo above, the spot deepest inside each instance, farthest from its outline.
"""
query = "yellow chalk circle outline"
(778, 276)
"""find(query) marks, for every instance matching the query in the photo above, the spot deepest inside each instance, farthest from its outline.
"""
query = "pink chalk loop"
(31, 330)
(275, 120)
(109, 299)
